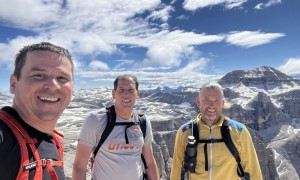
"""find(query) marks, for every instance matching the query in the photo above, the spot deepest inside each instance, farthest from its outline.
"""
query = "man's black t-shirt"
(10, 154)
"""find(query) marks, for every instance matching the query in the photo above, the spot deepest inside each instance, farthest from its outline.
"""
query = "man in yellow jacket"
(214, 160)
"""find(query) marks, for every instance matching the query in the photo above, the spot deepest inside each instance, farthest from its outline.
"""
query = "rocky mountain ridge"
(265, 76)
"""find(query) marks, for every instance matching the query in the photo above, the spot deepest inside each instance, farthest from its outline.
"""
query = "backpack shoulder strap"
(17, 129)
(111, 121)
(230, 145)
(26, 141)
(59, 144)
(143, 124)
(195, 129)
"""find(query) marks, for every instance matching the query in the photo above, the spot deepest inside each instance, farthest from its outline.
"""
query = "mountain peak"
(264, 75)
(271, 72)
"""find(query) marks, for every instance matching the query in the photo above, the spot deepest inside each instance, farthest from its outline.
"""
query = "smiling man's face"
(211, 103)
(126, 93)
(44, 88)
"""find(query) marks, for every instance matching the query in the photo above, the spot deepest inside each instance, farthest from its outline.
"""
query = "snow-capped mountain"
(266, 77)
(268, 101)
(5, 100)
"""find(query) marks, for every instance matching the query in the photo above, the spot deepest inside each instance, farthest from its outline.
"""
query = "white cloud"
(183, 17)
(123, 63)
(91, 43)
(268, 4)
(249, 39)
(30, 14)
(194, 66)
(164, 54)
(99, 27)
(198, 4)
(83, 27)
(98, 65)
(190, 75)
(291, 66)
(9, 50)
(161, 68)
(259, 6)
(102, 27)
(169, 48)
(163, 14)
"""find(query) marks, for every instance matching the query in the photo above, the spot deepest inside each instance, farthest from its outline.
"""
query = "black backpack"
(111, 123)
(189, 162)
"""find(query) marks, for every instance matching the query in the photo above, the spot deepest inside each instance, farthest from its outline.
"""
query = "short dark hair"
(43, 46)
(126, 76)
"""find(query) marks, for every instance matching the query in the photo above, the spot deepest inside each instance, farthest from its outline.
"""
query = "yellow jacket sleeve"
(248, 155)
(178, 155)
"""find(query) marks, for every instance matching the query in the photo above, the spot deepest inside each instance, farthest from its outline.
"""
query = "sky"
(164, 43)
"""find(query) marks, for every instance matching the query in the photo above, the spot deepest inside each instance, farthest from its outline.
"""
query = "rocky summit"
(266, 100)
(264, 77)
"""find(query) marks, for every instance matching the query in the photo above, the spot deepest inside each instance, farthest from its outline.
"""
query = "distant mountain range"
(265, 99)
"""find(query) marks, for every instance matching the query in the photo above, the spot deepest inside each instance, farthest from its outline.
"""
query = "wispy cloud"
(8, 50)
(161, 14)
(123, 63)
(267, 4)
(105, 27)
(85, 27)
(169, 48)
(198, 4)
(16, 13)
(98, 65)
(249, 39)
(194, 66)
(291, 66)
(189, 75)
(99, 27)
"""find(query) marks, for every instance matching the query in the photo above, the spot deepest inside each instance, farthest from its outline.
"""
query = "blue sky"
(164, 43)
